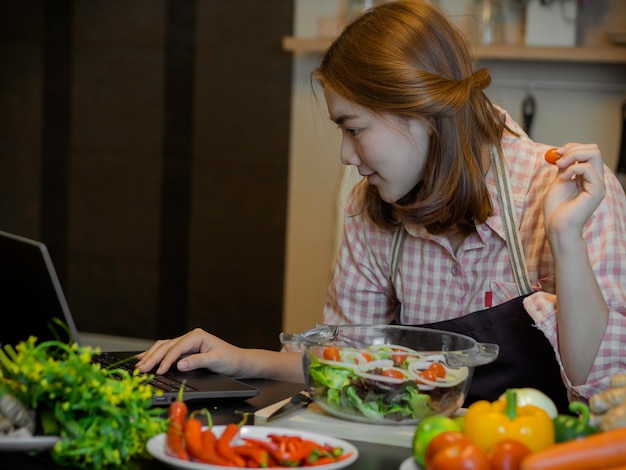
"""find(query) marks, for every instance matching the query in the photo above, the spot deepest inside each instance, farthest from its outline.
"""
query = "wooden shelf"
(599, 54)
(306, 45)
(596, 54)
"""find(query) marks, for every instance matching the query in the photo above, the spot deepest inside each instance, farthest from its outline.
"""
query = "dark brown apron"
(526, 358)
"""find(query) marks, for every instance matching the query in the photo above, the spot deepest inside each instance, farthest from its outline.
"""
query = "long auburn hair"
(406, 58)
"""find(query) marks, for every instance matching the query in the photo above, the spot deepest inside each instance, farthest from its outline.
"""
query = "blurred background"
(147, 144)
(175, 160)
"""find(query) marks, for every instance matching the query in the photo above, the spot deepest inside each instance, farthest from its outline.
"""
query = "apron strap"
(507, 209)
(397, 243)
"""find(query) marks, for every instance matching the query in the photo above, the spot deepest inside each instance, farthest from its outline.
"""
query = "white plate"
(410, 464)
(27, 444)
(156, 447)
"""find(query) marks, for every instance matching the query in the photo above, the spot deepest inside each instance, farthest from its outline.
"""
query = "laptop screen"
(30, 293)
(31, 298)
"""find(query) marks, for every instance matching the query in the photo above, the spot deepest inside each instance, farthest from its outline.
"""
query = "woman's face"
(390, 151)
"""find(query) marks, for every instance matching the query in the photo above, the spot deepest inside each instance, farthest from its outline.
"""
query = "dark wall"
(146, 143)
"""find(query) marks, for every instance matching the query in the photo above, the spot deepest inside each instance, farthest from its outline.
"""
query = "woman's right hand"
(204, 351)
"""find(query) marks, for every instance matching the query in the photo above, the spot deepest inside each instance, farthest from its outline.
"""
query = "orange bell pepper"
(489, 423)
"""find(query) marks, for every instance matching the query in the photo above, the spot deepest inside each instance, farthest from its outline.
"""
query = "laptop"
(31, 298)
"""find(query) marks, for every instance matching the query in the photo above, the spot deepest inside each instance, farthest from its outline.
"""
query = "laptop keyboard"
(160, 382)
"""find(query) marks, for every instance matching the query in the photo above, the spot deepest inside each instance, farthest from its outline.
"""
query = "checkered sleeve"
(360, 291)
(605, 234)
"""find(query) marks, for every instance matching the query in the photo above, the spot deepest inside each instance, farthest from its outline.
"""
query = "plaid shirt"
(433, 283)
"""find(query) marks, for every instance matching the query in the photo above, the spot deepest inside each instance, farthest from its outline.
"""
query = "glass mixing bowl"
(386, 374)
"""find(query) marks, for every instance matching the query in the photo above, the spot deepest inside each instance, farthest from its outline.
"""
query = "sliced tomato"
(399, 356)
(438, 369)
(392, 373)
(367, 356)
(331, 353)
(428, 375)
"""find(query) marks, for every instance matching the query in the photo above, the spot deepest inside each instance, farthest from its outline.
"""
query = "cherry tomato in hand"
(552, 156)
(507, 454)
(331, 353)
(459, 456)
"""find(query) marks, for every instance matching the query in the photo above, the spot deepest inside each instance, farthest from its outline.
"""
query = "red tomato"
(428, 375)
(368, 357)
(393, 373)
(444, 439)
(331, 353)
(552, 156)
(460, 455)
(507, 455)
(399, 357)
(438, 369)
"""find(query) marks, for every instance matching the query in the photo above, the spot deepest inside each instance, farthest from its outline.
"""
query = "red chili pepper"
(322, 461)
(209, 440)
(270, 447)
(288, 451)
(333, 451)
(302, 454)
(223, 445)
(316, 445)
(177, 413)
(325, 454)
(193, 437)
(285, 447)
(200, 448)
(295, 451)
(344, 456)
(253, 454)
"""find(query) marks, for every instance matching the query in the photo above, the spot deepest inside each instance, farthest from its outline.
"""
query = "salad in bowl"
(387, 374)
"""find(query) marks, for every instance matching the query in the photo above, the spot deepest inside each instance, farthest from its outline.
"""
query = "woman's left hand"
(581, 310)
(577, 190)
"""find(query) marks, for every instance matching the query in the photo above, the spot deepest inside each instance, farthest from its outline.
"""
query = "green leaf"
(104, 415)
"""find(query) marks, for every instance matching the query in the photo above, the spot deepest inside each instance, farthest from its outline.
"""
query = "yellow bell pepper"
(489, 423)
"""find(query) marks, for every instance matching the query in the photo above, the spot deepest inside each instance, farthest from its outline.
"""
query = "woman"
(541, 275)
